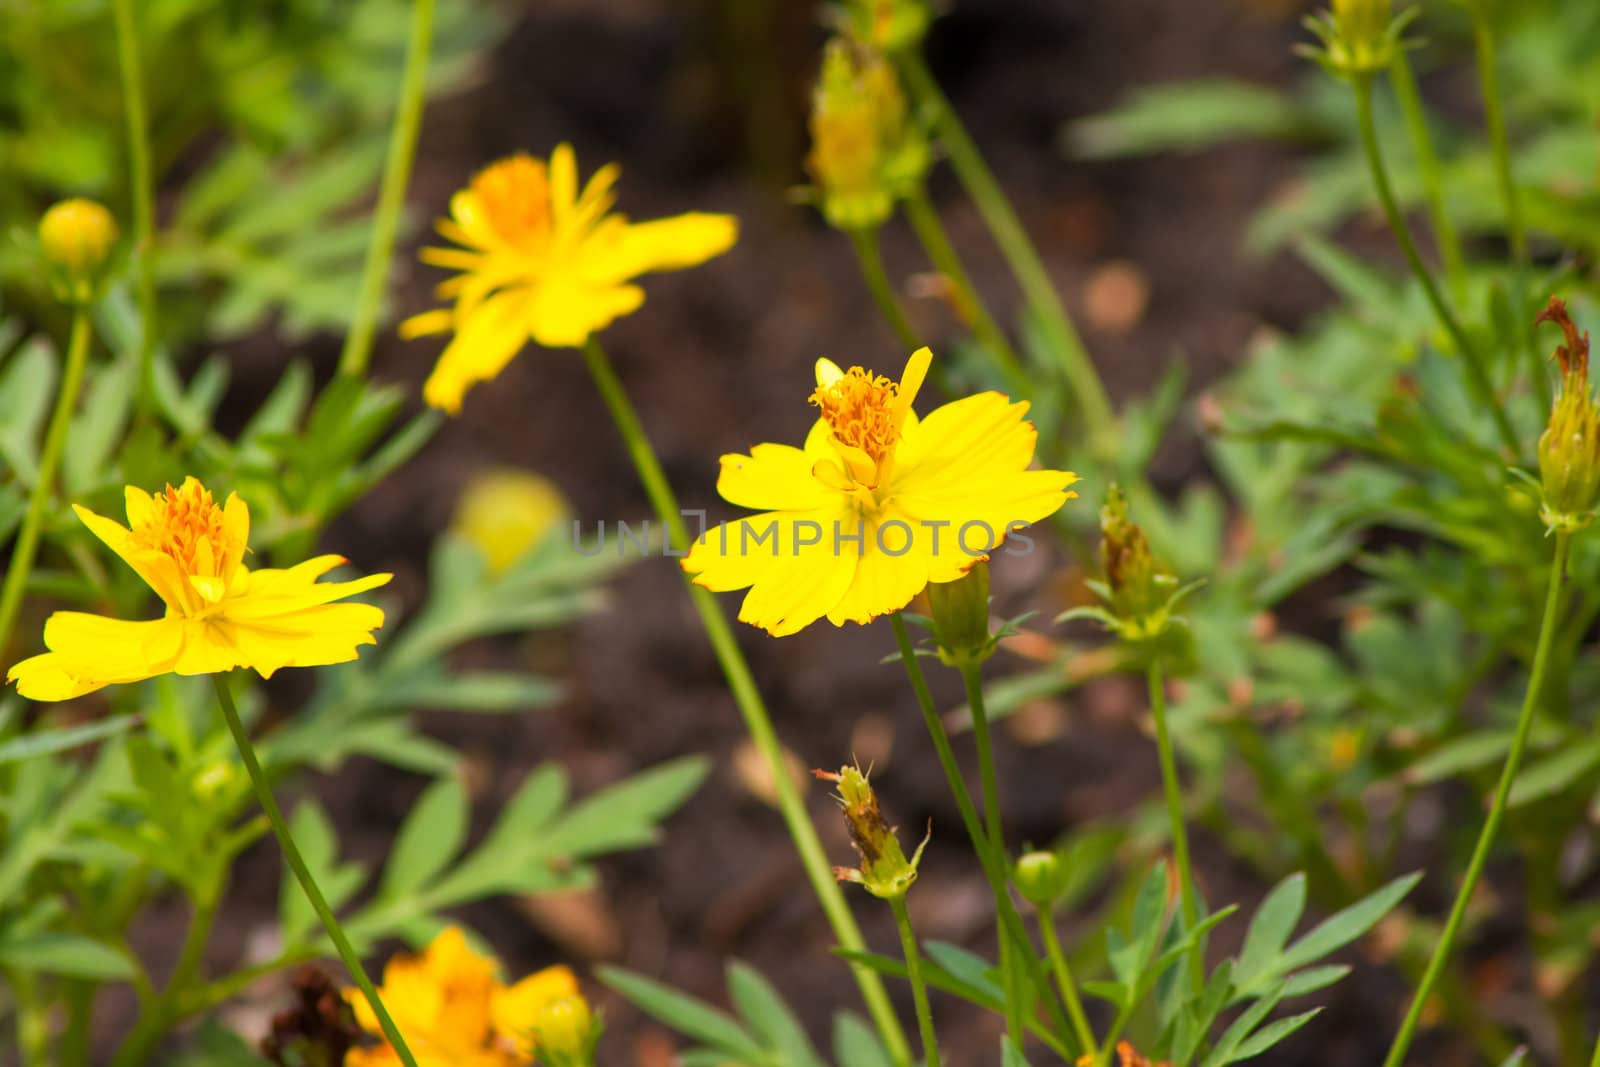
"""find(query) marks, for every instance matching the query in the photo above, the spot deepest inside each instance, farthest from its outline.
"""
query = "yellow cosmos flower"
(876, 505)
(452, 1009)
(220, 614)
(542, 260)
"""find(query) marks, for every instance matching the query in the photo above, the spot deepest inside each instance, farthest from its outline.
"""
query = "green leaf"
(1271, 928)
(856, 1044)
(764, 1012)
(47, 742)
(314, 834)
(429, 838)
(1271, 1034)
(1186, 115)
(1554, 773)
(626, 815)
(1345, 926)
(63, 952)
(684, 1014)
(1010, 1055)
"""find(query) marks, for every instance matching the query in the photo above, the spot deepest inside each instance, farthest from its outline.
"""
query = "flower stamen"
(860, 407)
(515, 196)
(185, 524)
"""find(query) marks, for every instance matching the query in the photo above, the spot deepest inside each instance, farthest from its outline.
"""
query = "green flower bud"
(1041, 878)
(884, 872)
(567, 1032)
(1359, 37)
(866, 154)
(887, 24)
(1569, 448)
(77, 237)
(961, 617)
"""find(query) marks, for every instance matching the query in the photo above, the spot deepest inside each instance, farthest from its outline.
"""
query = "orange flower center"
(515, 196)
(860, 409)
(186, 524)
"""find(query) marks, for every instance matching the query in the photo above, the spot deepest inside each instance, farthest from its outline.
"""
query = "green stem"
(1594, 1060)
(748, 698)
(1477, 373)
(297, 864)
(55, 440)
(391, 194)
(1064, 981)
(919, 990)
(930, 231)
(972, 677)
(1516, 231)
(1173, 789)
(1064, 343)
(1497, 809)
(993, 869)
(1416, 116)
(79, 995)
(868, 254)
(32, 1022)
(159, 1016)
(143, 195)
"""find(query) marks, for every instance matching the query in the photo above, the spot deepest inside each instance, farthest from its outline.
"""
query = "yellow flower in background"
(220, 614)
(452, 1009)
(876, 505)
(541, 260)
(506, 512)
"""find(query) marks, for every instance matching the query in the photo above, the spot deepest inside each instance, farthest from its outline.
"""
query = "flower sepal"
(885, 872)
(1359, 38)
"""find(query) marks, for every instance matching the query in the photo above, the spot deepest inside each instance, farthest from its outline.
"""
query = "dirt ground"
(719, 359)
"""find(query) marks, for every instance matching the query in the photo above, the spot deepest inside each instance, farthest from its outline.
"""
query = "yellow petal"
(515, 1009)
(662, 244)
(886, 578)
(563, 179)
(828, 372)
(442, 320)
(792, 563)
(912, 377)
(159, 571)
(565, 315)
(89, 652)
(488, 338)
(771, 478)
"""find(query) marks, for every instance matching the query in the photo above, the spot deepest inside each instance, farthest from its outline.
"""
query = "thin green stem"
(919, 990)
(55, 440)
(32, 1022)
(1594, 1059)
(970, 305)
(302, 874)
(159, 1016)
(994, 871)
(1477, 373)
(1511, 201)
(1064, 981)
(972, 678)
(142, 191)
(870, 256)
(1173, 788)
(1416, 116)
(391, 194)
(1062, 337)
(748, 698)
(1497, 810)
(79, 995)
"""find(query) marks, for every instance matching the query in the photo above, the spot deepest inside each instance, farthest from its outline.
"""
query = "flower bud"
(505, 513)
(865, 152)
(1569, 448)
(1359, 37)
(1041, 878)
(887, 24)
(961, 617)
(567, 1032)
(884, 872)
(76, 237)
(1137, 588)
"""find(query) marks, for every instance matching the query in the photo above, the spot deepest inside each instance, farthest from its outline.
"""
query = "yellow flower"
(452, 1009)
(542, 260)
(506, 513)
(77, 236)
(220, 614)
(876, 505)
(547, 1015)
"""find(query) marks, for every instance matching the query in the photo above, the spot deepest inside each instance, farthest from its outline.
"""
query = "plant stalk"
(142, 193)
(391, 193)
(1445, 236)
(1477, 372)
(919, 990)
(1497, 810)
(1064, 980)
(1066, 346)
(748, 698)
(870, 256)
(55, 440)
(1173, 788)
(297, 864)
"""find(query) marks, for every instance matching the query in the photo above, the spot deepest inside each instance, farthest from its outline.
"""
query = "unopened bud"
(1041, 878)
(77, 237)
(884, 872)
(961, 617)
(567, 1032)
(866, 153)
(507, 513)
(1569, 448)
(1137, 588)
(887, 24)
(1359, 37)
